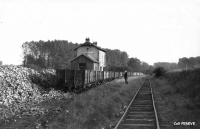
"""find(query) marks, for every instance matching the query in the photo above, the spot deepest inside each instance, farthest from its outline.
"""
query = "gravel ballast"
(21, 88)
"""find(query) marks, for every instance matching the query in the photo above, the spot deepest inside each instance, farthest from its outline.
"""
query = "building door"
(82, 66)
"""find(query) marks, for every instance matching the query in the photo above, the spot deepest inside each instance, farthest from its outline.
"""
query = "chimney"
(87, 40)
(95, 43)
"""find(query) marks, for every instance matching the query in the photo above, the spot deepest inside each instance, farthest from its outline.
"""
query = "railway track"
(61, 104)
(141, 112)
(31, 125)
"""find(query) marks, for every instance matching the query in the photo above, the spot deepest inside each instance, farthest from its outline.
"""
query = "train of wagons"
(86, 78)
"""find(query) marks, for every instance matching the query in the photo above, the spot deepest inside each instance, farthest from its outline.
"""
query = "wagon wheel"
(70, 87)
(78, 87)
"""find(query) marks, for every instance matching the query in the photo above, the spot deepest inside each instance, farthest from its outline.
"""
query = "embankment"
(178, 96)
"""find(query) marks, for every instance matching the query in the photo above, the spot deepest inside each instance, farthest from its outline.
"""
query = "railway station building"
(89, 57)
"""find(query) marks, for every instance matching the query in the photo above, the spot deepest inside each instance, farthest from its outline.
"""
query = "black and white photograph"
(99, 64)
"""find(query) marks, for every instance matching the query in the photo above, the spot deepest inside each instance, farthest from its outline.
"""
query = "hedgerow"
(187, 83)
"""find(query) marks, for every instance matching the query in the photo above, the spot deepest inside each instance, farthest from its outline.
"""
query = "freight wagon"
(70, 79)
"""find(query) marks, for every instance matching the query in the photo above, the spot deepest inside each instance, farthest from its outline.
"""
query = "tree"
(25, 49)
(135, 64)
(40, 61)
(116, 59)
(50, 54)
(166, 65)
(144, 67)
(58, 53)
(30, 59)
(123, 58)
(150, 70)
(188, 63)
(184, 62)
(159, 71)
(1, 62)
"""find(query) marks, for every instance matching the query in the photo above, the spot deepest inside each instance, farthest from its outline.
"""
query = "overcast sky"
(151, 30)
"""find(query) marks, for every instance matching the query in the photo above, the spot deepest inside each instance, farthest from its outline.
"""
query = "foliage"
(49, 54)
(187, 83)
(175, 106)
(35, 67)
(189, 63)
(138, 66)
(159, 71)
(58, 53)
(134, 63)
(150, 70)
(166, 65)
(119, 69)
(30, 59)
(144, 67)
(183, 63)
(119, 61)
(97, 108)
(116, 58)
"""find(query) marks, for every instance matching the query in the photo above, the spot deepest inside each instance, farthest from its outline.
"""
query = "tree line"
(119, 61)
(58, 53)
(49, 54)
(183, 64)
(166, 65)
(189, 63)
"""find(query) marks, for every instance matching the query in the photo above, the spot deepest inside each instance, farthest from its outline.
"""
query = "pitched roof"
(87, 56)
(90, 45)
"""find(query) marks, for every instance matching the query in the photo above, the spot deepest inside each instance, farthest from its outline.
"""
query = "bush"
(35, 67)
(99, 107)
(119, 69)
(186, 83)
(160, 71)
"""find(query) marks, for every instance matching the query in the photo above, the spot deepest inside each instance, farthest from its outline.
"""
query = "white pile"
(20, 87)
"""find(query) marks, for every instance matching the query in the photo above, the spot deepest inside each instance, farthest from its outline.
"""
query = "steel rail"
(128, 107)
(44, 115)
(65, 102)
(155, 112)
(153, 104)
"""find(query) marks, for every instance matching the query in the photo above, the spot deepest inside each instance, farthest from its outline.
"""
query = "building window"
(82, 66)
(87, 49)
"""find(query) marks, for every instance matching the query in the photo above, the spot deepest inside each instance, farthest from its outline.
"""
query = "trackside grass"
(98, 108)
(177, 96)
